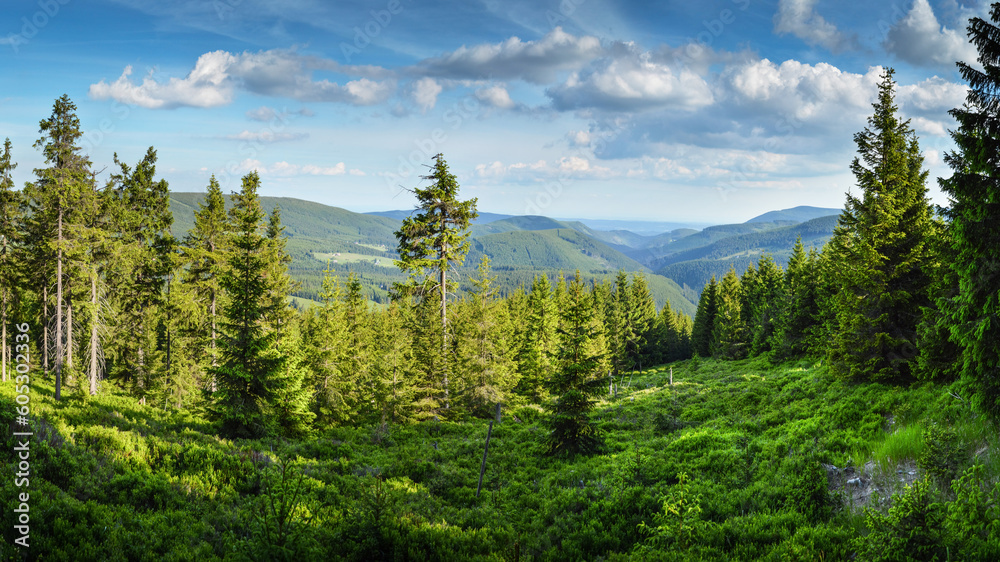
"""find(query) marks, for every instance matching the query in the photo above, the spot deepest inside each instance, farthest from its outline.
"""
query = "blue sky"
(711, 111)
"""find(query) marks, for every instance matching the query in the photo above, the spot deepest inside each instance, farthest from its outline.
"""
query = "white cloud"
(495, 96)
(217, 75)
(813, 94)
(575, 167)
(425, 93)
(286, 169)
(533, 61)
(631, 81)
(266, 135)
(578, 138)
(207, 85)
(799, 18)
(919, 39)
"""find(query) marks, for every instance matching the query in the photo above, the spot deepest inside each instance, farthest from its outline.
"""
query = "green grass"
(116, 480)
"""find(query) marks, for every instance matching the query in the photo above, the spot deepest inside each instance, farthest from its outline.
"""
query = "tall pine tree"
(437, 239)
(974, 193)
(881, 247)
(577, 378)
(249, 362)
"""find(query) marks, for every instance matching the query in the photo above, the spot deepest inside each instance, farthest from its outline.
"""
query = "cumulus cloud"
(425, 93)
(495, 96)
(631, 80)
(919, 39)
(927, 103)
(207, 85)
(217, 75)
(799, 18)
(765, 107)
(534, 61)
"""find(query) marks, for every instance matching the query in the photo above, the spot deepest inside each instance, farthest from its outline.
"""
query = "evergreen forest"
(841, 404)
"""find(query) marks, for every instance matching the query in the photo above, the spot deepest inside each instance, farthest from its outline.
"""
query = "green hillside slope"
(560, 248)
(321, 236)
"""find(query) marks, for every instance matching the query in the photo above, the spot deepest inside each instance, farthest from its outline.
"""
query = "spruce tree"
(140, 262)
(578, 377)
(204, 252)
(729, 332)
(10, 203)
(249, 362)
(437, 239)
(762, 304)
(620, 334)
(485, 351)
(667, 335)
(704, 320)
(880, 250)
(797, 309)
(55, 202)
(541, 343)
(642, 316)
(324, 334)
(974, 193)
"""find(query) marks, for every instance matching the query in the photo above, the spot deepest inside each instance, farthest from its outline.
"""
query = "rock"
(854, 482)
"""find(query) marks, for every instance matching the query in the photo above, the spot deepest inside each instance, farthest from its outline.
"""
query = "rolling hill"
(321, 236)
(695, 266)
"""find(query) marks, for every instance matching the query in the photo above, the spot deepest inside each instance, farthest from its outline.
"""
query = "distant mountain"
(321, 236)
(694, 267)
(672, 243)
(797, 214)
(644, 228)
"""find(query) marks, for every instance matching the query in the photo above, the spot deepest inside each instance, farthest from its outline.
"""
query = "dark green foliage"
(880, 249)
(540, 342)
(437, 239)
(704, 320)
(249, 360)
(729, 333)
(761, 299)
(577, 375)
(797, 308)
(974, 193)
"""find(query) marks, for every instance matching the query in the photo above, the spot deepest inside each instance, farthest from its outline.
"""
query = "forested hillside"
(521, 391)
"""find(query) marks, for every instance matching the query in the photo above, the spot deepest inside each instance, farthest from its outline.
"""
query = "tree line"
(202, 320)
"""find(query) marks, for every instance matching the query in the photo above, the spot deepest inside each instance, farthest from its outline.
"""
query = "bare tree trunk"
(93, 333)
(69, 333)
(59, 300)
(444, 335)
(45, 329)
(3, 342)
(215, 360)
